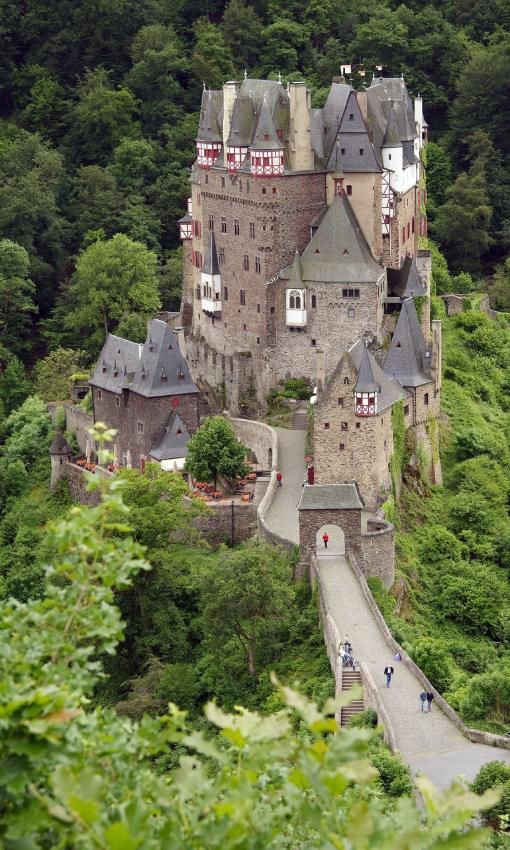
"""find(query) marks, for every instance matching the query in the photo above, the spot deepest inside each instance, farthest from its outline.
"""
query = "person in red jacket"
(325, 538)
(279, 478)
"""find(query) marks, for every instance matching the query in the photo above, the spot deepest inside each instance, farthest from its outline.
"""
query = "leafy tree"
(282, 40)
(16, 295)
(53, 373)
(103, 116)
(14, 385)
(170, 283)
(215, 450)
(241, 29)
(462, 222)
(381, 39)
(432, 657)
(113, 278)
(247, 597)
(95, 203)
(439, 172)
(211, 62)
(500, 287)
(86, 769)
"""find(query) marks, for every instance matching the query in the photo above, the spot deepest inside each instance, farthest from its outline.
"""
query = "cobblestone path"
(428, 742)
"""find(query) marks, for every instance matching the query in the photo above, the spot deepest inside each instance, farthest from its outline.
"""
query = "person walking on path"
(423, 697)
(279, 478)
(388, 672)
(430, 696)
(325, 538)
(397, 656)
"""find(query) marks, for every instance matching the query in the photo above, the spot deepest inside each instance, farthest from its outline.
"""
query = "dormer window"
(180, 374)
(163, 375)
(295, 300)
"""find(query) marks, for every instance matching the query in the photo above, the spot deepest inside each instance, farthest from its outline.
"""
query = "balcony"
(210, 306)
(296, 318)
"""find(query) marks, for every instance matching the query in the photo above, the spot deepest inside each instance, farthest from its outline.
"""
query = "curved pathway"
(430, 743)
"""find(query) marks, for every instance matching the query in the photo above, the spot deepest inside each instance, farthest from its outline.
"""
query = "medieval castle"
(301, 259)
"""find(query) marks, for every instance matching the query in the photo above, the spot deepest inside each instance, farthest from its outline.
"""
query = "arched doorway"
(336, 542)
(270, 459)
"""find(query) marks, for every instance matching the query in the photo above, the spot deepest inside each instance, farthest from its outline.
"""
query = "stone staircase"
(300, 419)
(349, 679)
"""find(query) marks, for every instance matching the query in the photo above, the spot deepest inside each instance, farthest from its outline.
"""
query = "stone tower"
(61, 454)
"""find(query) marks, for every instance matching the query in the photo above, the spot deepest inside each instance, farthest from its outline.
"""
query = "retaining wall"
(78, 479)
(77, 421)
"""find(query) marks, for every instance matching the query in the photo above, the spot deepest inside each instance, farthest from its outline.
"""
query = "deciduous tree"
(215, 450)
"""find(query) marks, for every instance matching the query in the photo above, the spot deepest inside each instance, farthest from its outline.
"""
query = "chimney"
(300, 142)
(230, 91)
(362, 98)
(437, 331)
(321, 369)
(179, 333)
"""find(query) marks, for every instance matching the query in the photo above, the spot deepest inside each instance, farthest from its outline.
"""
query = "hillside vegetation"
(451, 602)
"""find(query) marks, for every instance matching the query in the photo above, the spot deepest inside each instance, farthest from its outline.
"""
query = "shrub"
(432, 657)
(394, 775)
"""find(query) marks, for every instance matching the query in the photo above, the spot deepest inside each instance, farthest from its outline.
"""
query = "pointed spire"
(279, 77)
(266, 137)
(391, 136)
(407, 356)
(245, 74)
(211, 265)
(366, 382)
(296, 276)
(209, 129)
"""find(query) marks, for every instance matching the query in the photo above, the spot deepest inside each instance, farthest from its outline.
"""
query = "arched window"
(295, 300)
(346, 381)
(314, 302)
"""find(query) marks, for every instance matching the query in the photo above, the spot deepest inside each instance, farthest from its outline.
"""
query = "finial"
(203, 81)
(279, 77)
(245, 74)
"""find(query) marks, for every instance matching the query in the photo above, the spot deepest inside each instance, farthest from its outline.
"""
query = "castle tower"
(61, 454)
(209, 139)
(266, 150)
(367, 390)
(211, 280)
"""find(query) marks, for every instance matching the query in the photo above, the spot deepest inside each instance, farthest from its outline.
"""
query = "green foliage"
(76, 776)
(394, 776)
(398, 459)
(215, 450)
(113, 280)
(54, 372)
(293, 388)
(16, 295)
(432, 657)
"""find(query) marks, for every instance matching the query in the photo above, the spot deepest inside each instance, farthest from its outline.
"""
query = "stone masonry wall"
(334, 325)
(77, 421)
(378, 552)
(311, 521)
(124, 412)
(260, 439)
(367, 441)
(228, 524)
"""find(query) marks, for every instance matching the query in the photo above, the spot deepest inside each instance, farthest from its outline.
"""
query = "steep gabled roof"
(332, 113)
(162, 370)
(338, 252)
(116, 364)
(242, 124)
(366, 382)
(336, 162)
(405, 282)
(317, 497)
(209, 129)
(266, 137)
(408, 358)
(174, 442)
(211, 265)
(60, 446)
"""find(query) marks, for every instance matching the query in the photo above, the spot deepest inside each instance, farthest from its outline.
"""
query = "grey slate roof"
(317, 497)
(209, 128)
(405, 282)
(338, 252)
(265, 137)
(174, 442)
(295, 276)
(116, 364)
(408, 358)
(390, 390)
(211, 265)
(384, 95)
(156, 368)
(391, 135)
(60, 446)
(332, 113)
(350, 145)
(242, 122)
(162, 370)
(336, 163)
(366, 382)
(317, 132)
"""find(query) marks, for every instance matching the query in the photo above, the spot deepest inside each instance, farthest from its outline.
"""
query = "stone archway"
(336, 542)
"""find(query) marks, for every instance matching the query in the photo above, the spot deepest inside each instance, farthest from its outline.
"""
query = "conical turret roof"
(211, 265)
(408, 358)
(391, 136)
(209, 128)
(60, 446)
(241, 125)
(266, 137)
(366, 382)
(336, 163)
